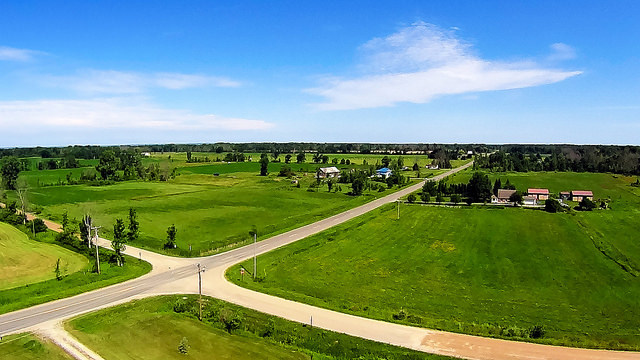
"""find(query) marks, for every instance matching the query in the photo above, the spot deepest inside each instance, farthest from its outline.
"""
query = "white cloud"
(13, 54)
(128, 82)
(114, 113)
(421, 62)
(562, 52)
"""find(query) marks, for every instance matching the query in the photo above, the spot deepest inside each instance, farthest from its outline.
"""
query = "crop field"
(211, 212)
(153, 328)
(28, 346)
(480, 270)
(24, 261)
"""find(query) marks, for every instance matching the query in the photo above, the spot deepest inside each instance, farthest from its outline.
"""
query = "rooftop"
(581, 193)
(538, 191)
(505, 194)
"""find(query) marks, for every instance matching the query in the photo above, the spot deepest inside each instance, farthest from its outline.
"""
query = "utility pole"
(254, 232)
(95, 228)
(255, 260)
(200, 271)
(398, 203)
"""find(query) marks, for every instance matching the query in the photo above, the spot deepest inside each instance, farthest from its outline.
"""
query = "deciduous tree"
(119, 240)
(10, 168)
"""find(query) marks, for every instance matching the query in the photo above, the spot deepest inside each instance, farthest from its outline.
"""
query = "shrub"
(39, 225)
(536, 332)
(401, 315)
(230, 319)
(183, 347)
(411, 198)
(586, 205)
(180, 306)
(552, 206)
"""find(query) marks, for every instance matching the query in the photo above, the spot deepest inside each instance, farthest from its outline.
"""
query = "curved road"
(178, 276)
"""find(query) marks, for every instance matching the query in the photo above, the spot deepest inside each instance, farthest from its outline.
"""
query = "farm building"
(578, 195)
(530, 200)
(328, 172)
(502, 197)
(540, 194)
(384, 172)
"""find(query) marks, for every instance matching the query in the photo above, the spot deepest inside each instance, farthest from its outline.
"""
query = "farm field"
(211, 213)
(480, 270)
(164, 321)
(24, 261)
(28, 346)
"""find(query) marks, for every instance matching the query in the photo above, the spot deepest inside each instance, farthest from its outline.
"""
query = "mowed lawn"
(485, 271)
(28, 346)
(209, 212)
(153, 328)
(24, 261)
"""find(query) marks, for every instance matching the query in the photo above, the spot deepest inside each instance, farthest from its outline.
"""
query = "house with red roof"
(578, 195)
(540, 194)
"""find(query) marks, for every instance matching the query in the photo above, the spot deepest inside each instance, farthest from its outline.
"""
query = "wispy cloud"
(113, 113)
(561, 51)
(421, 62)
(13, 54)
(129, 82)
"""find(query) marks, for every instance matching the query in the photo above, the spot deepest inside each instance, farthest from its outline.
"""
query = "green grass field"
(480, 270)
(210, 212)
(38, 288)
(153, 328)
(24, 261)
(28, 346)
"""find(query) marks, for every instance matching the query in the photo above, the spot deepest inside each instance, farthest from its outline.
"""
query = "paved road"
(178, 276)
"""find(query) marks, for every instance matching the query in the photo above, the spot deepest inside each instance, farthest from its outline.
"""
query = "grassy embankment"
(480, 270)
(210, 212)
(153, 328)
(24, 261)
(28, 346)
(28, 276)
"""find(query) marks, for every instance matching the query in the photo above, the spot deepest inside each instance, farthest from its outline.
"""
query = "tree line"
(614, 159)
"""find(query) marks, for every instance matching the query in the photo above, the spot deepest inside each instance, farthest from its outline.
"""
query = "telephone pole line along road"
(169, 276)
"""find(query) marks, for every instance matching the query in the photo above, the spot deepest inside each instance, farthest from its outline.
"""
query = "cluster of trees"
(234, 157)
(342, 161)
(127, 165)
(615, 159)
(195, 159)
(478, 189)
(68, 162)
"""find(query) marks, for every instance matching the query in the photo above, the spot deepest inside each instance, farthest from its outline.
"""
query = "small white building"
(328, 172)
(530, 200)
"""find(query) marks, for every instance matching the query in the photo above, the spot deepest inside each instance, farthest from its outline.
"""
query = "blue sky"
(98, 72)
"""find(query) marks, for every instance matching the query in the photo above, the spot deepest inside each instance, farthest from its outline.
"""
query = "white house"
(328, 172)
(384, 172)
